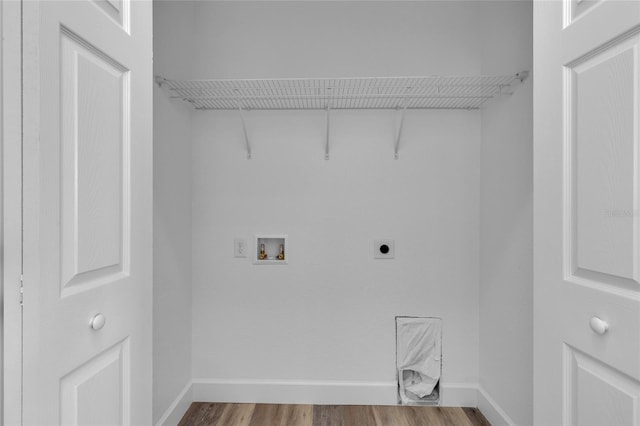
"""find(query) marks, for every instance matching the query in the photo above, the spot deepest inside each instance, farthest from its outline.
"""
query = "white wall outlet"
(384, 249)
(240, 247)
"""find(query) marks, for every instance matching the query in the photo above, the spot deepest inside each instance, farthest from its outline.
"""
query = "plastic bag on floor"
(418, 357)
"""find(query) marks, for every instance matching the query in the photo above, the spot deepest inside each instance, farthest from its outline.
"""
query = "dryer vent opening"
(418, 360)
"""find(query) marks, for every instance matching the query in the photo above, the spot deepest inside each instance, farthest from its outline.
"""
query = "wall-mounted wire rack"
(400, 93)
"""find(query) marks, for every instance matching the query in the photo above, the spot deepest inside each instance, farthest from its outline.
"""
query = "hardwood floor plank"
(260, 415)
(476, 417)
(328, 415)
(453, 416)
(237, 414)
(263, 414)
(204, 414)
(358, 415)
(390, 415)
(300, 415)
(282, 415)
(417, 415)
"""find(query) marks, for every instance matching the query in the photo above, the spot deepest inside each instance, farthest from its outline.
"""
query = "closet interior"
(319, 130)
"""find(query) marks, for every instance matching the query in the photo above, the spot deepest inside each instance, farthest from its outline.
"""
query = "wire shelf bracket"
(326, 146)
(400, 127)
(403, 109)
(244, 131)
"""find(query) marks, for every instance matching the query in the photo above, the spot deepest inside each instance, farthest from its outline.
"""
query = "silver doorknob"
(598, 326)
(97, 322)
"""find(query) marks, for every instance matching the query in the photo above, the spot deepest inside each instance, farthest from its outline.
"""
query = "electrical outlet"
(240, 247)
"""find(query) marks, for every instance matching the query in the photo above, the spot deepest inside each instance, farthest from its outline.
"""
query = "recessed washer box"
(384, 249)
(270, 250)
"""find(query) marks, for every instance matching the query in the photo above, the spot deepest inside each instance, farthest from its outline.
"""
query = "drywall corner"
(172, 295)
(506, 220)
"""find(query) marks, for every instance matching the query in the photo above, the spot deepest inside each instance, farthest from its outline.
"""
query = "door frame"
(11, 215)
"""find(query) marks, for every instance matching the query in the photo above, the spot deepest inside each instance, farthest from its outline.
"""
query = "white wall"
(173, 56)
(278, 39)
(506, 275)
(329, 314)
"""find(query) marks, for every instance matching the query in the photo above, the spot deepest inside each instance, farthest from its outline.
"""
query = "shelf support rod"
(326, 147)
(397, 146)
(244, 131)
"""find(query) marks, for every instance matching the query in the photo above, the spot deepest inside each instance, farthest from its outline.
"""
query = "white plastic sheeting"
(418, 357)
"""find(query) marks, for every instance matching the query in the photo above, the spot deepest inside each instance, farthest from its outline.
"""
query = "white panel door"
(587, 217)
(87, 212)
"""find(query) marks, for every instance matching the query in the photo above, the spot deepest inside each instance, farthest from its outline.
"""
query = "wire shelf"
(438, 92)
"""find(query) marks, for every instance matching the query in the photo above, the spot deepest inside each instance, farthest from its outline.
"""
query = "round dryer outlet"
(383, 249)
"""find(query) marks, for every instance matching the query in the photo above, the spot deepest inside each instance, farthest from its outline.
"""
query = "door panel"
(574, 9)
(118, 10)
(96, 392)
(597, 394)
(587, 223)
(602, 192)
(88, 200)
(95, 157)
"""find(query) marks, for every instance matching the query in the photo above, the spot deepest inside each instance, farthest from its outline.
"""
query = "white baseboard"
(294, 391)
(178, 407)
(459, 394)
(320, 392)
(491, 410)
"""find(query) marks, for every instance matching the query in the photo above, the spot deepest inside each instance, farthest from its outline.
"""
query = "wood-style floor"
(219, 414)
